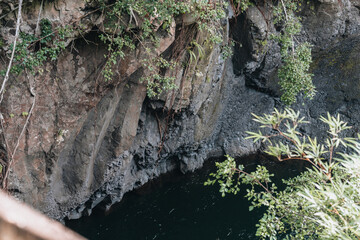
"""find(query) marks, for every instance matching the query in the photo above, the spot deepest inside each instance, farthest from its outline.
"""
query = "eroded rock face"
(90, 141)
(324, 23)
(87, 138)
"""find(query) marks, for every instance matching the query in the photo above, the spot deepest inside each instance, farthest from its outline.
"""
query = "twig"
(9, 156)
(159, 125)
(32, 91)
(160, 133)
(284, 7)
(9, 12)
(133, 15)
(337, 213)
(38, 20)
(287, 19)
(31, 88)
(286, 137)
(12, 53)
(318, 166)
(256, 180)
(11, 160)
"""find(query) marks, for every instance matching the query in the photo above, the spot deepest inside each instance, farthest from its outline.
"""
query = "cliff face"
(89, 140)
(332, 27)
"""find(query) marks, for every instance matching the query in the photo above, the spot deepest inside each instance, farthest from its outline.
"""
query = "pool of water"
(177, 206)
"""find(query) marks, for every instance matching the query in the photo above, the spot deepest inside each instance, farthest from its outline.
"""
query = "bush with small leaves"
(294, 76)
(322, 202)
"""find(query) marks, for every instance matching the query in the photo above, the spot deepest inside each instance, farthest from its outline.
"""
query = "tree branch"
(11, 160)
(12, 53)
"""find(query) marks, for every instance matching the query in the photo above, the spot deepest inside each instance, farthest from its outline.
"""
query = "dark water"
(179, 206)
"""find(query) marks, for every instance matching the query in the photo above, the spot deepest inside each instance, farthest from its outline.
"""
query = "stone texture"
(91, 141)
(323, 24)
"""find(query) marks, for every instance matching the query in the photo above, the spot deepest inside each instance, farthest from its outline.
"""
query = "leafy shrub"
(322, 202)
(294, 76)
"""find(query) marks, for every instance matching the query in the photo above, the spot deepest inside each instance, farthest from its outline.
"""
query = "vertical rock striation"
(91, 141)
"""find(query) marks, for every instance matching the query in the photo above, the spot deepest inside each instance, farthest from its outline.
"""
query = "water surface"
(177, 206)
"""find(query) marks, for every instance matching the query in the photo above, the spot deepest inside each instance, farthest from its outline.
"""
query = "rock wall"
(333, 28)
(91, 141)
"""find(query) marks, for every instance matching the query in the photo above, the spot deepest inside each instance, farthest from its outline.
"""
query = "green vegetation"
(227, 50)
(240, 6)
(294, 76)
(130, 24)
(127, 24)
(32, 52)
(294, 73)
(145, 19)
(322, 202)
(157, 83)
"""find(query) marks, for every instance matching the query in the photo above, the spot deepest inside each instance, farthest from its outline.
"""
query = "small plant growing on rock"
(294, 76)
(146, 18)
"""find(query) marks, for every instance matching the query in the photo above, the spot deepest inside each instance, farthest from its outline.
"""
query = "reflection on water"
(179, 206)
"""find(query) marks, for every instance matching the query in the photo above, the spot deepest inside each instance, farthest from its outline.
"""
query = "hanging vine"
(294, 75)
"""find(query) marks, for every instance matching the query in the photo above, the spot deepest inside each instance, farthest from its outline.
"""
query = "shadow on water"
(177, 206)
